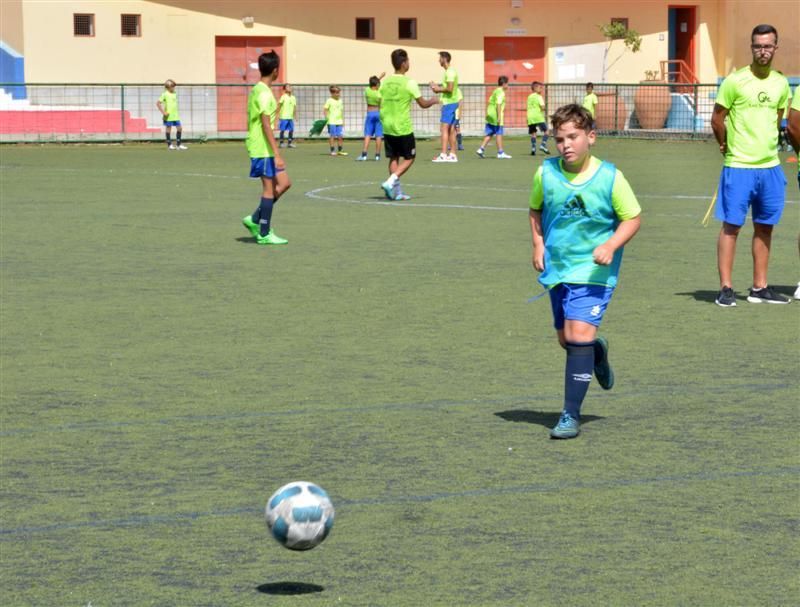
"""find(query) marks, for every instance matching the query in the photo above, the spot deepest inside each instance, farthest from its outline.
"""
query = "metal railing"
(127, 112)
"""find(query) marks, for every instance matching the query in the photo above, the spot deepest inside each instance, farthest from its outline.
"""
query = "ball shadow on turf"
(289, 588)
(548, 419)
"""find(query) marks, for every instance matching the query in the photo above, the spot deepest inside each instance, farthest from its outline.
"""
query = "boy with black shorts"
(536, 119)
(397, 93)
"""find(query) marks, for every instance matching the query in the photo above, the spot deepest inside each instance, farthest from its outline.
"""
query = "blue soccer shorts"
(263, 167)
(493, 129)
(587, 303)
(761, 190)
(449, 113)
(372, 125)
(335, 130)
(286, 124)
(172, 123)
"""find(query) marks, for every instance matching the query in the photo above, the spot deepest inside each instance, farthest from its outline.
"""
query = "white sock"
(392, 179)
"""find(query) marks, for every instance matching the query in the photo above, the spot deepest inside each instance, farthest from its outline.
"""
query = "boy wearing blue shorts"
(334, 114)
(372, 121)
(793, 136)
(266, 163)
(582, 212)
(449, 96)
(495, 111)
(752, 100)
(167, 104)
(287, 105)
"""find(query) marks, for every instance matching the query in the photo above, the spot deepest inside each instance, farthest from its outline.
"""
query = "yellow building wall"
(11, 30)
(178, 38)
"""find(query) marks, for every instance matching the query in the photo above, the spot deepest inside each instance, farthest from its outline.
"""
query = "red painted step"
(71, 121)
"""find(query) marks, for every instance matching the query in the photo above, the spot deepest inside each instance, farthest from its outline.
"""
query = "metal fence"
(127, 112)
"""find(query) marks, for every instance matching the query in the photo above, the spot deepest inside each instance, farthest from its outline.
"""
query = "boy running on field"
(582, 212)
(397, 93)
(265, 160)
(494, 118)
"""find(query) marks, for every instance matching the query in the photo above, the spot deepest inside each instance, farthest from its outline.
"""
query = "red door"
(522, 59)
(237, 64)
(684, 45)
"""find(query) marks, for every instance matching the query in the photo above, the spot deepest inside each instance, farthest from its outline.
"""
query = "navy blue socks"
(264, 213)
(577, 376)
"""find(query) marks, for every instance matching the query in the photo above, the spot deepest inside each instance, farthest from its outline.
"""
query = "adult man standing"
(448, 97)
(752, 99)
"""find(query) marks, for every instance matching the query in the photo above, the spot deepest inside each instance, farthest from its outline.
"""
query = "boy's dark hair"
(285, 86)
(760, 30)
(572, 113)
(535, 82)
(333, 88)
(399, 57)
(445, 55)
(374, 81)
(589, 85)
(268, 63)
(502, 80)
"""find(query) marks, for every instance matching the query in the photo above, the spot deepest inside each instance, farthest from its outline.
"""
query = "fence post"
(696, 110)
(616, 108)
(122, 109)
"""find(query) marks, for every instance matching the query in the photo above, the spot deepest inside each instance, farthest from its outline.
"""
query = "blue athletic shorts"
(762, 189)
(493, 129)
(372, 124)
(172, 123)
(263, 167)
(335, 130)
(286, 124)
(541, 126)
(579, 302)
(449, 113)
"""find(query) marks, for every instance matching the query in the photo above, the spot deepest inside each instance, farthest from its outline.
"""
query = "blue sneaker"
(567, 427)
(602, 368)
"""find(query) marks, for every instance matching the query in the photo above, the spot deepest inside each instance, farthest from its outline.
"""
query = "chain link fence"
(128, 112)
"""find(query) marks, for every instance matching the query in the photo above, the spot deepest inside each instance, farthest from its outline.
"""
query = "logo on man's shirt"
(763, 97)
(574, 207)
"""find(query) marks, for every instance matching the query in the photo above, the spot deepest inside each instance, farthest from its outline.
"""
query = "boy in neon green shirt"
(590, 100)
(745, 122)
(167, 104)
(287, 106)
(334, 114)
(536, 119)
(372, 121)
(494, 119)
(449, 96)
(266, 163)
(582, 213)
(397, 93)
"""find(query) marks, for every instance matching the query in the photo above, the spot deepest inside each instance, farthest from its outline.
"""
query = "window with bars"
(407, 29)
(131, 26)
(82, 24)
(365, 28)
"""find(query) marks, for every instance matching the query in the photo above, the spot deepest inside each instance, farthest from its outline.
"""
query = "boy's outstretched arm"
(604, 253)
(537, 237)
(426, 103)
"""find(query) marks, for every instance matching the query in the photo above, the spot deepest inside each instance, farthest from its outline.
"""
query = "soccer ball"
(300, 515)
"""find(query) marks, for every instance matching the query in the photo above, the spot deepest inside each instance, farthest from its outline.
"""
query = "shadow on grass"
(547, 419)
(709, 296)
(289, 588)
(247, 240)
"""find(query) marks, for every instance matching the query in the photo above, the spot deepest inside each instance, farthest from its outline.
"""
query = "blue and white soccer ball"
(300, 515)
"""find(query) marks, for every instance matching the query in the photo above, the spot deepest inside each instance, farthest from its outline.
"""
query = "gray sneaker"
(767, 295)
(726, 298)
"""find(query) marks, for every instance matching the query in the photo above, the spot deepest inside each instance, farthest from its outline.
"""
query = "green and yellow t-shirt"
(535, 105)
(372, 96)
(496, 107)
(397, 93)
(261, 102)
(752, 123)
(335, 109)
(450, 75)
(590, 102)
(796, 107)
(288, 104)
(169, 101)
(580, 212)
